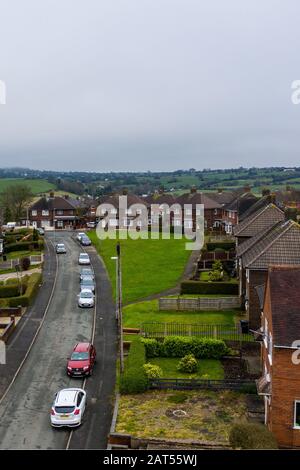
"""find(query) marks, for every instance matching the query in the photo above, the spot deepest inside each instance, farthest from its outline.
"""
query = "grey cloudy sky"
(149, 84)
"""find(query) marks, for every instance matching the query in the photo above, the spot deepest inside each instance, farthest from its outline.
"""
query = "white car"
(60, 248)
(84, 259)
(68, 407)
(86, 272)
(86, 298)
(79, 235)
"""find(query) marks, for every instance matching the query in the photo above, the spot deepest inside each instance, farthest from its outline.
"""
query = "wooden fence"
(225, 332)
(199, 303)
(217, 255)
(202, 384)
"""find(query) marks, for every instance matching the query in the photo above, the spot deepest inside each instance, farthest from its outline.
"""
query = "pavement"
(3, 277)
(24, 410)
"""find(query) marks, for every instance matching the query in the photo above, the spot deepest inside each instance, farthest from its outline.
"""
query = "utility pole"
(120, 319)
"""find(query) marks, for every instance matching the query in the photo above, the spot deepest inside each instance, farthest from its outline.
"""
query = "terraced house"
(280, 328)
(275, 245)
(56, 212)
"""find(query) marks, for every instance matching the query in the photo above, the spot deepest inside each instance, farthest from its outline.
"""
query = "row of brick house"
(268, 265)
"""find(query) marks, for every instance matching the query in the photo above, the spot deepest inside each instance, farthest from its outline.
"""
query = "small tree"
(25, 264)
(251, 436)
(188, 364)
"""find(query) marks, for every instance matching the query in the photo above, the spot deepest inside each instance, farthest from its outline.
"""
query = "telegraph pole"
(120, 319)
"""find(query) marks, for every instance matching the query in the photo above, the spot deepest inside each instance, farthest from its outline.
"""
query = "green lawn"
(36, 185)
(207, 368)
(148, 266)
(136, 314)
(21, 254)
(204, 276)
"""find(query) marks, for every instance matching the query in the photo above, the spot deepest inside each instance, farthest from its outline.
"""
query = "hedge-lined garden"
(30, 286)
(187, 349)
(205, 287)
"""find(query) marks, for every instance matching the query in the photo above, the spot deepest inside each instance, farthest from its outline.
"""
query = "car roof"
(60, 244)
(86, 269)
(82, 347)
(67, 396)
(86, 290)
(83, 254)
(87, 278)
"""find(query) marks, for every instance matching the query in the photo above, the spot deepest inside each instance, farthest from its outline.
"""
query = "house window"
(34, 213)
(45, 212)
(297, 414)
(59, 212)
(189, 212)
(270, 348)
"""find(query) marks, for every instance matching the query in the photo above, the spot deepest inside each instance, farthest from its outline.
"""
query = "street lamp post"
(119, 303)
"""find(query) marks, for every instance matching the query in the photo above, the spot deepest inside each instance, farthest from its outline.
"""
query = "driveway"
(24, 412)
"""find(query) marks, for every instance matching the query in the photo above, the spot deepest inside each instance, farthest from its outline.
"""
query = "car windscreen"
(84, 256)
(86, 272)
(64, 409)
(79, 356)
(86, 295)
(87, 282)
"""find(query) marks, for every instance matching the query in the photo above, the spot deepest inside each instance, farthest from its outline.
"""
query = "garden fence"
(202, 384)
(199, 303)
(225, 332)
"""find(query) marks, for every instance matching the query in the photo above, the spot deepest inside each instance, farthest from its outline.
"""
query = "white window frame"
(266, 333)
(34, 213)
(45, 212)
(270, 348)
(295, 406)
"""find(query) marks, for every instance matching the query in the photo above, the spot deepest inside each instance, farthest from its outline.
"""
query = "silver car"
(86, 272)
(60, 248)
(86, 298)
(84, 259)
(87, 282)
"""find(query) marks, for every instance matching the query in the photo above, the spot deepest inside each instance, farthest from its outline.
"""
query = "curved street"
(24, 412)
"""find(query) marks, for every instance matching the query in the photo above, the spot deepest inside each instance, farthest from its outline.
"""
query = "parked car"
(82, 360)
(85, 241)
(79, 235)
(40, 231)
(60, 248)
(84, 258)
(91, 224)
(87, 282)
(86, 272)
(68, 407)
(86, 298)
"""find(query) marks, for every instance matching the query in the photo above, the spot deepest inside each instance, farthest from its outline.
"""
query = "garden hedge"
(134, 379)
(251, 436)
(180, 346)
(12, 290)
(226, 246)
(27, 298)
(202, 287)
(24, 246)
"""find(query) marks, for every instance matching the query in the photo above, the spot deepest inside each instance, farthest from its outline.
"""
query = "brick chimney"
(193, 189)
(124, 191)
(66, 196)
(247, 188)
(51, 194)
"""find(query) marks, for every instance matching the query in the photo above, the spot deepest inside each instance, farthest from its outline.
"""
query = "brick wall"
(256, 278)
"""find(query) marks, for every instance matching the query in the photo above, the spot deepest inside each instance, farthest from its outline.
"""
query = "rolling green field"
(37, 185)
(148, 266)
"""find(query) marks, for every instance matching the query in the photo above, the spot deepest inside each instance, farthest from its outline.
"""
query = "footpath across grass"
(142, 312)
(148, 266)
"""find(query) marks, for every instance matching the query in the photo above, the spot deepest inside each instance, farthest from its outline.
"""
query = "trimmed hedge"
(201, 287)
(26, 299)
(226, 246)
(12, 290)
(180, 346)
(24, 246)
(251, 436)
(134, 379)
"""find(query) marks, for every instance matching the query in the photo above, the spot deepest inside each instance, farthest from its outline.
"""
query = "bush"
(152, 371)
(217, 265)
(201, 348)
(134, 379)
(12, 290)
(153, 347)
(34, 282)
(201, 287)
(188, 364)
(226, 246)
(251, 436)
(24, 246)
(25, 263)
(215, 276)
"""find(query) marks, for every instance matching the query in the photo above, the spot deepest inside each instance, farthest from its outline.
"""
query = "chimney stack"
(193, 189)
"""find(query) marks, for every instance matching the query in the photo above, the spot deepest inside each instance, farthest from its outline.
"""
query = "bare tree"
(14, 200)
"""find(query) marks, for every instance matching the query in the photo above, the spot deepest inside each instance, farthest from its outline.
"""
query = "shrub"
(199, 287)
(226, 246)
(153, 347)
(12, 290)
(215, 276)
(217, 266)
(134, 379)
(201, 348)
(152, 371)
(24, 246)
(251, 436)
(188, 364)
(25, 263)
(33, 284)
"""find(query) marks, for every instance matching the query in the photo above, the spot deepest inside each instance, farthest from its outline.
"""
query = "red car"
(82, 360)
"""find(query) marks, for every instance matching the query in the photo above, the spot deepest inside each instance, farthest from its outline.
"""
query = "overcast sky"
(149, 84)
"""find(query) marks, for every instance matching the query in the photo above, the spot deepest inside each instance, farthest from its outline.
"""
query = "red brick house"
(280, 327)
(55, 212)
(277, 245)
(213, 210)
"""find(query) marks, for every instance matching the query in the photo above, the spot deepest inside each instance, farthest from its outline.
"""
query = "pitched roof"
(163, 198)
(242, 203)
(283, 284)
(252, 241)
(198, 198)
(51, 203)
(261, 219)
(113, 199)
(258, 205)
(222, 197)
(281, 246)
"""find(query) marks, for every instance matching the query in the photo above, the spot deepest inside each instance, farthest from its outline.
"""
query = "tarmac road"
(24, 412)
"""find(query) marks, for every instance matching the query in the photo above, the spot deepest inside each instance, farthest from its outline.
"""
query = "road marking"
(36, 333)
